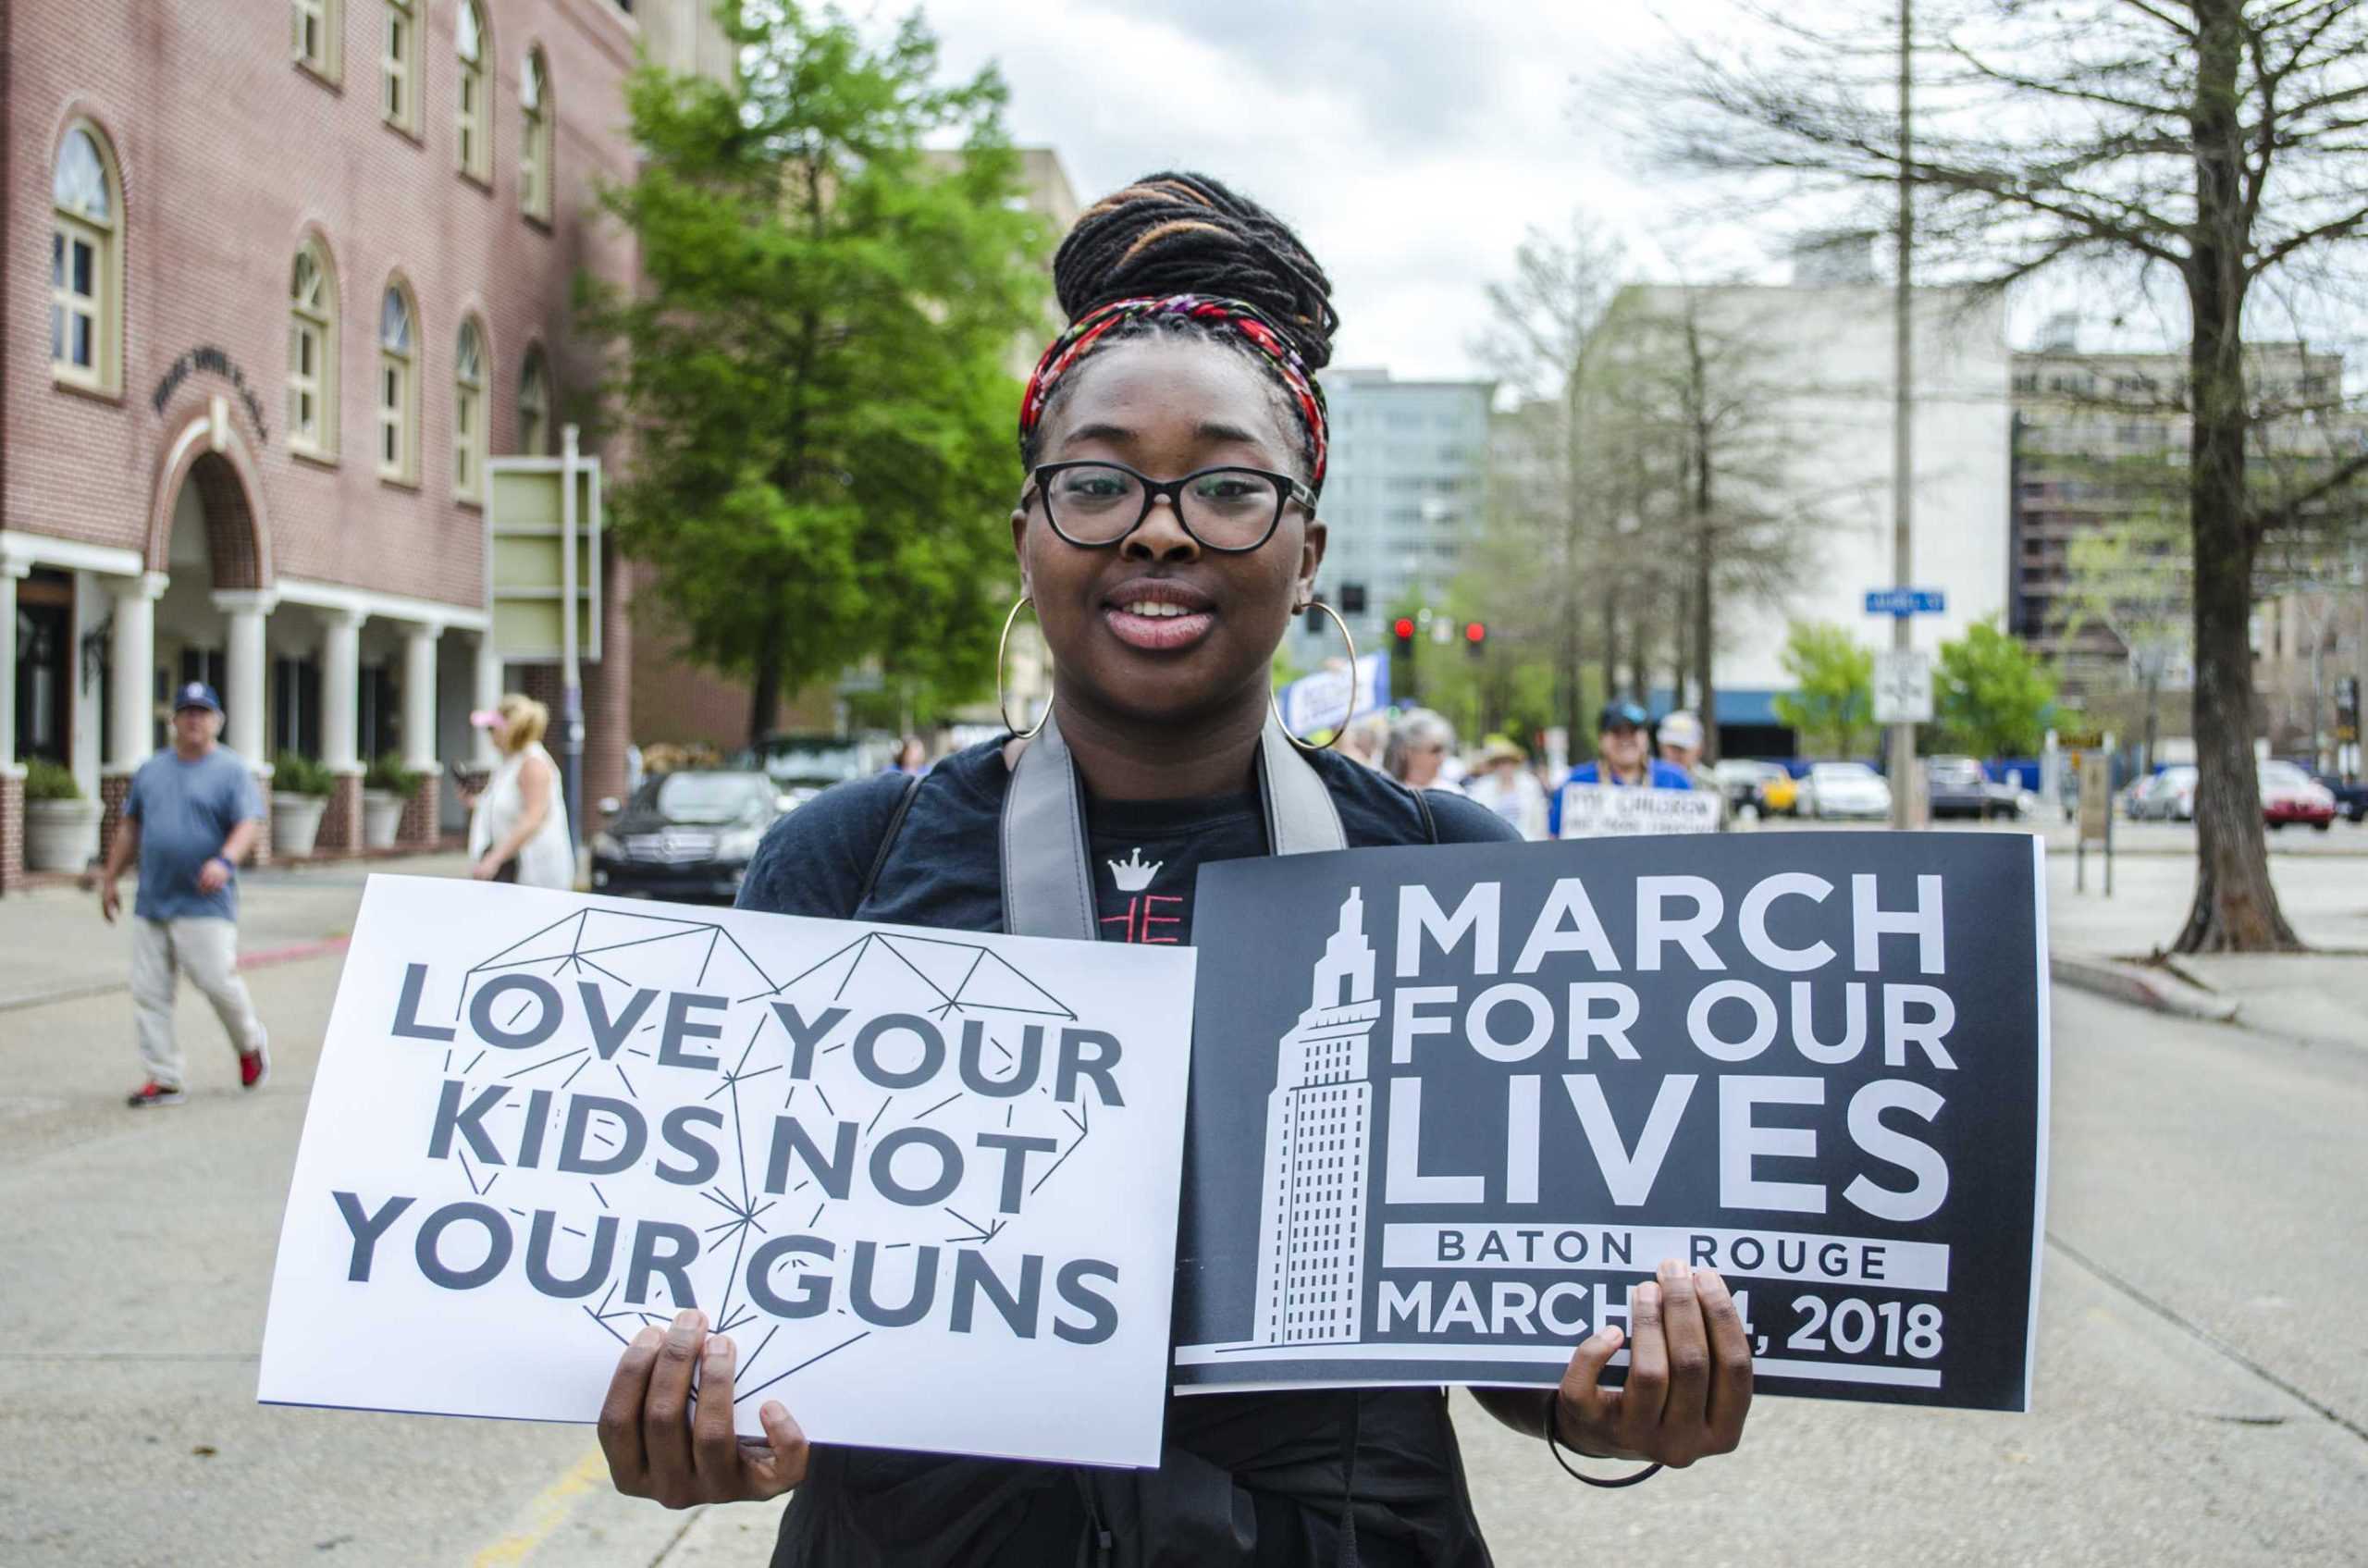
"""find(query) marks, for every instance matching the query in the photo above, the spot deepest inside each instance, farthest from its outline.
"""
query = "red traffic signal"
(1405, 628)
(1476, 632)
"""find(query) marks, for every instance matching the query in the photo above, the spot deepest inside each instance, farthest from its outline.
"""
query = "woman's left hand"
(484, 870)
(1689, 1376)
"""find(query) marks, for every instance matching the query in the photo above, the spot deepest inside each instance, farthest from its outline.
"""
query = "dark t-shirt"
(1284, 1451)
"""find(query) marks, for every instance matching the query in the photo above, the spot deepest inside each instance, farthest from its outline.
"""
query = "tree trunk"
(1703, 612)
(764, 689)
(2235, 905)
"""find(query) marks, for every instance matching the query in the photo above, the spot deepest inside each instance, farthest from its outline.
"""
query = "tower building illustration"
(1312, 1216)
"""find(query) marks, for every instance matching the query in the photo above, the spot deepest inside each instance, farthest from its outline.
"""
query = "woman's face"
(1423, 763)
(1167, 407)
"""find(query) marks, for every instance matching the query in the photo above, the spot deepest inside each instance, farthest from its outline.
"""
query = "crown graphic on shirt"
(1132, 874)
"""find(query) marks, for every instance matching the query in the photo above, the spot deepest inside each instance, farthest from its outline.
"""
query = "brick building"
(275, 280)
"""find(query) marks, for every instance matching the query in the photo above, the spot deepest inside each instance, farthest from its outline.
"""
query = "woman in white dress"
(518, 824)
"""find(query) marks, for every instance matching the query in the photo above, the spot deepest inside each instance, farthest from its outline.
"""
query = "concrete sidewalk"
(53, 945)
(2318, 997)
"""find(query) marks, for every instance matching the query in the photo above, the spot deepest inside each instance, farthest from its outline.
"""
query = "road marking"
(546, 1514)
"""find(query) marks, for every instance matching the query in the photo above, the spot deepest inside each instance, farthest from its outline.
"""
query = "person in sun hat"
(192, 816)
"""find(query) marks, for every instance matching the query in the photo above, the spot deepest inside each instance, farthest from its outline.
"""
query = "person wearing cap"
(1626, 760)
(1680, 740)
(1505, 785)
(190, 817)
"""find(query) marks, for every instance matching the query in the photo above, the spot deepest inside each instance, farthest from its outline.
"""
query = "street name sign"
(1451, 1104)
(1902, 686)
(1906, 601)
(925, 1179)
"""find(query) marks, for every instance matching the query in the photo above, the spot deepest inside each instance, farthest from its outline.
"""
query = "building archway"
(210, 455)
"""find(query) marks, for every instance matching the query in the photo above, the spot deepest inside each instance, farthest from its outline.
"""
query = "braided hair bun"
(1188, 234)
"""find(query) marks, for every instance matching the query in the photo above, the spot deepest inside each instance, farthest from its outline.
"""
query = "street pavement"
(2201, 1389)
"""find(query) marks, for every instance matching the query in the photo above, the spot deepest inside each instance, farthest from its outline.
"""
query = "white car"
(1845, 789)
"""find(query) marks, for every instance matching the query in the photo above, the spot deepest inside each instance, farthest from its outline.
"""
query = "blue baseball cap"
(1615, 714)
(196, 693)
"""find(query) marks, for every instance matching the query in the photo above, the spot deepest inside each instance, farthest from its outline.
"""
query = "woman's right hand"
(657, 1447)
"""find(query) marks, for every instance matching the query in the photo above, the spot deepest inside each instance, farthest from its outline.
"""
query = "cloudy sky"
(1412, 142)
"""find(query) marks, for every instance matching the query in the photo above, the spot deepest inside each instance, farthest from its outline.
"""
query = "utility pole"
(571, 674)
(1902, 736)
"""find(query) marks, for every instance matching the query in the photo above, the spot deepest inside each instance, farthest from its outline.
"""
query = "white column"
(245, 729)
(132, 658)
(341, 689)
(487, 687)
(419, 695)
(9, 572)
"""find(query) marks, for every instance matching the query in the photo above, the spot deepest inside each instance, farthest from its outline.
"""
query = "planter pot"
(61, 835)
(295, 823)
(382, 817)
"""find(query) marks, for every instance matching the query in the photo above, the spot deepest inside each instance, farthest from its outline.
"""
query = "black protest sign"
(1457, 1101)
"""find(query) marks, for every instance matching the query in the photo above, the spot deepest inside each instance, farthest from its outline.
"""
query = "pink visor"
(485, 719)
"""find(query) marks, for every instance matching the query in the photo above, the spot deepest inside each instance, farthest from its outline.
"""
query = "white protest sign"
(1595, 810)
(923, 1179)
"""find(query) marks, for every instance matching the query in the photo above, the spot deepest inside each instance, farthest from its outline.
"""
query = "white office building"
(1820, 353)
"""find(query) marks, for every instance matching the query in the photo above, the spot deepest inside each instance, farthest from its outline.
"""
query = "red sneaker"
(152, 1094)
(255, 1067)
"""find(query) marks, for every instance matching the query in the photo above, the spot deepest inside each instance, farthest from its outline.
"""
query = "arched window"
(312, 352)
(468, 412)
(316, 36)
(472, 110)
(85, 265)
(533, 406)
(534, 138)
(398, 387)
(399, 67)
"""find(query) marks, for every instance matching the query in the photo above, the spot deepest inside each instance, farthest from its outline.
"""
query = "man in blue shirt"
(192, 816)
(1626, 763)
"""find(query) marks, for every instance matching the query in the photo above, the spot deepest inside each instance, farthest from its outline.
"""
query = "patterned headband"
(1090, 329)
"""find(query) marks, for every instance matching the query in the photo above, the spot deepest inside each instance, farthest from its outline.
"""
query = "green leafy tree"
(1991, 695)
(813, 375)
(1832, 699)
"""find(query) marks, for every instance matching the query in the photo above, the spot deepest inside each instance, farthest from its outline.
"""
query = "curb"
(261, 959)
(2140, 986)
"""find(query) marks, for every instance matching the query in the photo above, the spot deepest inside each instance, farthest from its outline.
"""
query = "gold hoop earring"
(1276, 704)
(1003, 705)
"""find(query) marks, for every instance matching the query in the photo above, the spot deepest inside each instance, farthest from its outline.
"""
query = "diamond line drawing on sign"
(620, 962)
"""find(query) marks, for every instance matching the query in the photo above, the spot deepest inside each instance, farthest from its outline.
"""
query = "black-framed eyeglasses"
(1231, 510)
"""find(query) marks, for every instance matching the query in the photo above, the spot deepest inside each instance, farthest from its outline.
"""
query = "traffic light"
(1475, 637)
(1405, 630)
(1401, 657)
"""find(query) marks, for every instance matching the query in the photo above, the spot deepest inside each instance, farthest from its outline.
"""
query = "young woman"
(1174, 439)
(518, 824)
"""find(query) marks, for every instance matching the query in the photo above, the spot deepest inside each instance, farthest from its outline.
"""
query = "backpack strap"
(887, 842)
(1430, 823)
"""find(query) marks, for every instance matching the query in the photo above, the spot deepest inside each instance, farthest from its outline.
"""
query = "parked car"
(1957, 787)
(805, 765)
(2350, 796)
(686, 836)
(2167, 796)
(2289, 794)
(1845, 790)
(1746, 785)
